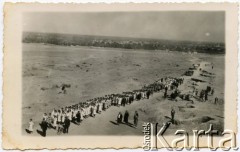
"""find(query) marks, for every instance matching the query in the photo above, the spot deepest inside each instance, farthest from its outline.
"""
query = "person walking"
(119, 118)
(165, 94)
(135, 118)
(30, 126)
(66, 125)
(172, 115)
(78, 116)
(44, 127)
(126, 115)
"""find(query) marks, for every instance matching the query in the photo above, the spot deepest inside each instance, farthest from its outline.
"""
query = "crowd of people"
(60, 119)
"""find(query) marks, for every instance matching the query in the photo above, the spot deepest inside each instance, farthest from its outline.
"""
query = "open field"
(95, 72)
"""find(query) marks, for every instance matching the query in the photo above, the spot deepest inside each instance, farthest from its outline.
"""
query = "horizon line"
(123, 37)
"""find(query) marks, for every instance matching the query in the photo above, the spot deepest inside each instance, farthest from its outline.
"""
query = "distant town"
(125, 43)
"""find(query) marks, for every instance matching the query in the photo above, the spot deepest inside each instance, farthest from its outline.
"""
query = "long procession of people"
(60, 119)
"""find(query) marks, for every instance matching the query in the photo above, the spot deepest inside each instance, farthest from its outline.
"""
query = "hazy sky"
(195, 26)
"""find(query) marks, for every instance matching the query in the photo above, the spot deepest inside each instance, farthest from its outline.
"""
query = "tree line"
(125, 43)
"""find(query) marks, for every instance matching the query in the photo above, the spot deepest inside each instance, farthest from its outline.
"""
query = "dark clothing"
(123, 102)
(98, 110)
(78, 115)
(165, 94)
(206, 96)
(148, 94)
(104, 106)
(172, 115)
(126, 115)
(44, 127)
(66, 125)
(208, 89)
(135, 119)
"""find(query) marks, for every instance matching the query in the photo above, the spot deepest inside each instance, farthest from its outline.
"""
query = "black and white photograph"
(106, 73)
(119, 74)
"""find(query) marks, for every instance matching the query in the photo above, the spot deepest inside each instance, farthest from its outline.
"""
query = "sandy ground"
(95, 72)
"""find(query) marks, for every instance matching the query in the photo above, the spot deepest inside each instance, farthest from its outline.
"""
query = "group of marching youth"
(60, 119)
(171, 83)
(128, 97)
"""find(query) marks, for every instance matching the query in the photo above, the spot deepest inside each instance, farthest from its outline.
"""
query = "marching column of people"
(61, 119)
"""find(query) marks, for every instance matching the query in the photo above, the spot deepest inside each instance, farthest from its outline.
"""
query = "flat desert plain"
(96, 72)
